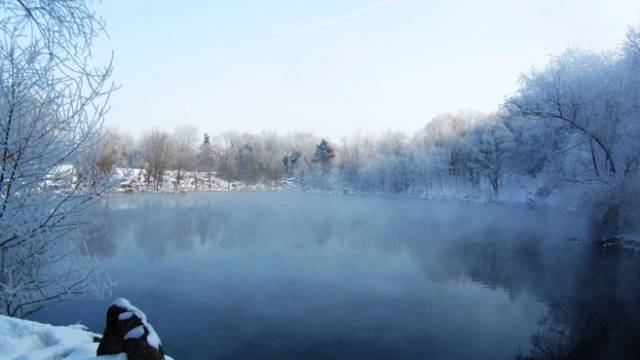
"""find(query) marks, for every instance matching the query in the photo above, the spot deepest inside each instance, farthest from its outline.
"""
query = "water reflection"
(246, 275)
(593, 297)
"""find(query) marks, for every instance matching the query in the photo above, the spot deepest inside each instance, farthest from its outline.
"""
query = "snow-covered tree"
(157, 151)
(226, 149)
(290, 162)
(114, 149)
(52, 104)
(351, 164)
(391, 166)
(592, 99)
(489, 145)
(582, 92)
(246, 163)
(303, 143)
(184, 140)
(270, 147)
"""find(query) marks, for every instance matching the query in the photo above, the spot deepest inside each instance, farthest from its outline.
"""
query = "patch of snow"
(125, 304)
(29, 340)
(134, 180)
(153, 339)
(135, 333)
(125, 315)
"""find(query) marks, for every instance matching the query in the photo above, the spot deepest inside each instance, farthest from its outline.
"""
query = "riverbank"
(31, 340)
(519, 191)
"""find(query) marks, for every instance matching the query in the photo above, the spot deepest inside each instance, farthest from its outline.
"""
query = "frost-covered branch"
(52, 106)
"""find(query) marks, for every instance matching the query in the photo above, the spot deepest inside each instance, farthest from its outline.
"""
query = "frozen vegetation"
(53, 99)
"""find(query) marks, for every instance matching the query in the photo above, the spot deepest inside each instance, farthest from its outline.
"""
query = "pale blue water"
(275, 275)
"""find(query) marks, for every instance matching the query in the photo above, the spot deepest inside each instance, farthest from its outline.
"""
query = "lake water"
(292, 276)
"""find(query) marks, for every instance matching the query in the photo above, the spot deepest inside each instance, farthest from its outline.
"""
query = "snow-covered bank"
(29, 340)
(517, 190)
(545, 190)
(134, 180)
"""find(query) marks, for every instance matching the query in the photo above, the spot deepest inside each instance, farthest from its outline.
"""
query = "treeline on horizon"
(574, 123)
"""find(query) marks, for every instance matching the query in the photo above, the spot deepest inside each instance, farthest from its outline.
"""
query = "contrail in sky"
(308, 29)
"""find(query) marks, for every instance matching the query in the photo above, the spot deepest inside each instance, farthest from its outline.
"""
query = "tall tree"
(290, 162)
(205, 159)
(157, 156)
(245, 159)
(184, 139)
(490, 143)
(227, 148)
(324, 156)
(578, 90)
(52, 104)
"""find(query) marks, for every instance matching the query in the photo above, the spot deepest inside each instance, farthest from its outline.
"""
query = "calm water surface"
(275, 275)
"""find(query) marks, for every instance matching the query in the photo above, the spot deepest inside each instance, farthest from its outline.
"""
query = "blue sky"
(335, 67)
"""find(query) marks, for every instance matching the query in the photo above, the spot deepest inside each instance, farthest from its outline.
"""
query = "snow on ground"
(133, 180)
(29, 340)
(518, 190)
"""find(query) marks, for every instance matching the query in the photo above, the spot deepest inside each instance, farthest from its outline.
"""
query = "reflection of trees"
(100, 233)
(601, 311)
(494, 262)
(161, 223)
(561, 340)
(593, 298)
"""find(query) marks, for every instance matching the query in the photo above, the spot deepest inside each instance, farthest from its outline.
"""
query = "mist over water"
(284, 275)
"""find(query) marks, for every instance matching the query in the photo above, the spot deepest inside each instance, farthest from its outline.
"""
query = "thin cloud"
(307, 29)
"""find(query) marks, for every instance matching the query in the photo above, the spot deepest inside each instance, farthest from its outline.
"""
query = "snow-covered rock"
(128, 331)
(29, 340)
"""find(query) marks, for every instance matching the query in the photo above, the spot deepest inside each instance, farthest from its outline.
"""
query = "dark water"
(274, 275)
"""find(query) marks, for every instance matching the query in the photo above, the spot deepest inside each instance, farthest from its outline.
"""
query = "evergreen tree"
(323, 156)
(205, 158)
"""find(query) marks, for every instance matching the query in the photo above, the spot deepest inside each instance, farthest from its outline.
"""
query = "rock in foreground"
(128, 331)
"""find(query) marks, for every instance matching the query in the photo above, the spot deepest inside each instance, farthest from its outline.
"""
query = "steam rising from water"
(232, 275)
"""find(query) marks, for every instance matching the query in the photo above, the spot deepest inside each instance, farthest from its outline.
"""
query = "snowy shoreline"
(30, 340)
(517, 192)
